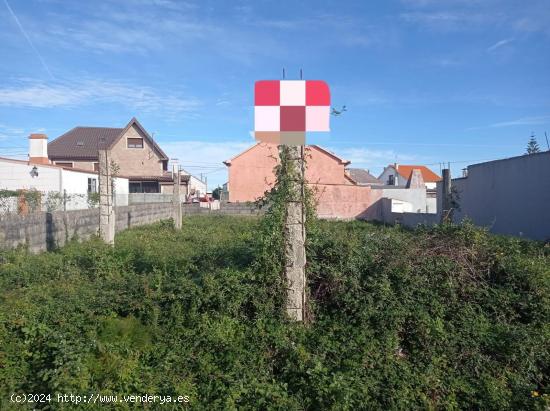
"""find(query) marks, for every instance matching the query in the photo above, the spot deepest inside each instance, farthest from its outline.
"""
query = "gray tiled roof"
(82, 142)
(363, 177)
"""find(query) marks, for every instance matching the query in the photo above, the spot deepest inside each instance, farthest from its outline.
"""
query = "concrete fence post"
(176, 200)
(106, 209)
(294, 232)
(446, 208)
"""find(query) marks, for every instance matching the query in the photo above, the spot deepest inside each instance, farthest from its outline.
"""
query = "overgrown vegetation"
(443, 318)
(25, 200)
(270, 239)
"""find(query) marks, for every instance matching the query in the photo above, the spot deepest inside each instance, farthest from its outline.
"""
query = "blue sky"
(424, 81)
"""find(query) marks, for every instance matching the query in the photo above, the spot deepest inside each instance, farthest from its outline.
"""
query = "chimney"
(38, 149)
(416, 180)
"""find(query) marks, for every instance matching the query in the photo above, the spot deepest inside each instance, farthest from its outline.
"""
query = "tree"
(533, 145)
(216, 193)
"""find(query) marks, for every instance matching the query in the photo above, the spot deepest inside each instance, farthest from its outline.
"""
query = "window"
(135, 143)
(150, 187)
(144, 187)
(92, 185)
(391, 180)
(135, 188)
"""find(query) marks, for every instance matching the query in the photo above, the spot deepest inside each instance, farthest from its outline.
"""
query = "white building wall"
(416, 197)
(75, 185)
(16, 175)
(398, 206)
(197, 185)
(401, 181)
(77, 182)
(431, 205)
(390, 171)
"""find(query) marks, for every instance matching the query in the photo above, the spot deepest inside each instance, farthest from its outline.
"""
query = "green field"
(442, 318)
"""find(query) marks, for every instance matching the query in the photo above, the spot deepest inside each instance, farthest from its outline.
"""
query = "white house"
(197, 187)
(73, 186)
(400, 174)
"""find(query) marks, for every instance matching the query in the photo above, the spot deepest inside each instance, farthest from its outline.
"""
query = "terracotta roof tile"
(428, 175)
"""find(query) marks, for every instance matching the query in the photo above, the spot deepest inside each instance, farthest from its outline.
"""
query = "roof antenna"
(283, 73)
(548, 145)
(300, 74)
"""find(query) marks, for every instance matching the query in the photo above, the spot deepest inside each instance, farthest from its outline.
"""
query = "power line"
(215, 171)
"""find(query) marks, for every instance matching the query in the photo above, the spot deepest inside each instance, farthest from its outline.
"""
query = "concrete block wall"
(382, 211)
(243, 209)
(141, 214)
(509, 196)
(45, 231)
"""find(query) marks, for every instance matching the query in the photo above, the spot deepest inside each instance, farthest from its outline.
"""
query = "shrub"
(449, 317)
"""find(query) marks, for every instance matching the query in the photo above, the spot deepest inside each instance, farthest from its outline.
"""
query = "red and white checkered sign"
(291, 106)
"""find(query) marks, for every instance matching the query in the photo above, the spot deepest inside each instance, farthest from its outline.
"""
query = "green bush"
(449, 317)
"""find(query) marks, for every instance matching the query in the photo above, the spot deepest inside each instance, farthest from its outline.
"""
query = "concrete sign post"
(295, 238)
(284, 112)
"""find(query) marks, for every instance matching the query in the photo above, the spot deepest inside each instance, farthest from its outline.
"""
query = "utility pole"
(446, 208)
(295, 235)
(176, 200)
(106, 209)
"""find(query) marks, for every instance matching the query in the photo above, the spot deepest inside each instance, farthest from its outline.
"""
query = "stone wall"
(45, 231)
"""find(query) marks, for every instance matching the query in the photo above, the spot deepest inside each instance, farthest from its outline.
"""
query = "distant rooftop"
(427, 175)
(362, 177)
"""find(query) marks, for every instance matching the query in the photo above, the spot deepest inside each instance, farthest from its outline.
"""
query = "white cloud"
(465, 15)
(11, 130)
(79, 93)
(524, 121)
(362, 157)
(144, 27)
(499, 44)
(449, 20)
